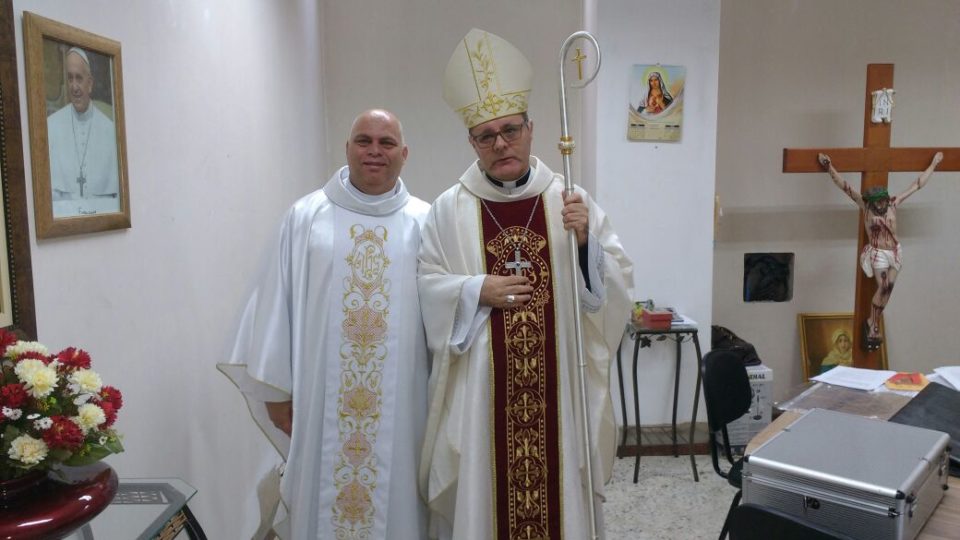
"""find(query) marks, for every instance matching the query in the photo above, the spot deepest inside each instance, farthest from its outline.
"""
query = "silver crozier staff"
(566, 149)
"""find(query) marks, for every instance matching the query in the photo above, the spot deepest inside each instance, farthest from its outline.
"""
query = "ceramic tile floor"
(666, 504)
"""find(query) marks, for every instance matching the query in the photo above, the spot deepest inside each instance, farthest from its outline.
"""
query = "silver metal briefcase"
(867, 478)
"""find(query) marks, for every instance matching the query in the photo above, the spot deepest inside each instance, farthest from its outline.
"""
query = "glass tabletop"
(140, 509)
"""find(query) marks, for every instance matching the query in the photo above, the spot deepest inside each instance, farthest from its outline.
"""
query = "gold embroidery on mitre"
(363, 354)
(492, 102)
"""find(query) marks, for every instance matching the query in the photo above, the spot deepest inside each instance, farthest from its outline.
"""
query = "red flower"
(34, 355)
(112, 396)
(13, 396)
(6, 339)
(72, 357)
(63, 434)
(110, 412)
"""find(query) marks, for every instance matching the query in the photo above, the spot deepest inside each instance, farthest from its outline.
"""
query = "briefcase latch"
(811, 502)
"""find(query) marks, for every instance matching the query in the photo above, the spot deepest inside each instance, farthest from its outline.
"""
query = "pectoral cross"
(518, 264)
(81, 181)
(579, 58)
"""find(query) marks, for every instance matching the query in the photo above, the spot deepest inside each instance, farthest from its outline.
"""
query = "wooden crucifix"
(874, 161)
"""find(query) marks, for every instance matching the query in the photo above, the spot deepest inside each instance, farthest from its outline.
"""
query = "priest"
(331, 354)
(503, 454)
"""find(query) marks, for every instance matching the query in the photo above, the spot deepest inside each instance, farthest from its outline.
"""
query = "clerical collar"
(85, 115)
(366, 197)
(509, 187)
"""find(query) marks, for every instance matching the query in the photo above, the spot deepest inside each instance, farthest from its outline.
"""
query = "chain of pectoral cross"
(82, 160)
(517, 264)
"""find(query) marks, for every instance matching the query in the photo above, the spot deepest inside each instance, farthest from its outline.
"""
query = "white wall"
(393, 55)
(224, 130)
(660, 195)
(792, 74)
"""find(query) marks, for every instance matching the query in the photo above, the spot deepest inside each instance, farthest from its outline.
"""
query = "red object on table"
(58, 506)
(656, 320)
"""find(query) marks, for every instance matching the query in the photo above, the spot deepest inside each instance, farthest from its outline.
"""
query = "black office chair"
(755, 522)
(727, 395)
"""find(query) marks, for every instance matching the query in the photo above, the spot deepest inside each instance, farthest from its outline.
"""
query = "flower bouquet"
(54, 410)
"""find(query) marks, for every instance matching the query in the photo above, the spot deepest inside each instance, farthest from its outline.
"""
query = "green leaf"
(58, 454)
(114, 446)
(91, 454)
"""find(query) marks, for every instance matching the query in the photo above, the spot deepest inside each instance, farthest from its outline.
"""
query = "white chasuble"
(335, 326)
(455, 473)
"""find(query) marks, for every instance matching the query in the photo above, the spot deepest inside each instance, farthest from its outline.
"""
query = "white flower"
(38, 378)
(28, 450)
(103, 440)
(42, 424)
(87, 381)
(21, 347)
(13, 414)
(33, 416)
(89, 416)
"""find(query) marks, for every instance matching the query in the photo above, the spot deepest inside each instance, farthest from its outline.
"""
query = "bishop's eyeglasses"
(510, 133)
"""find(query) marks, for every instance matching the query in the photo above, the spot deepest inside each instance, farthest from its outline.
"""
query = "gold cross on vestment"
(579, 58)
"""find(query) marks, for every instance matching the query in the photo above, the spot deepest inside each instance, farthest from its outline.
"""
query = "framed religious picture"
(655, 106)
(77, 142)
(826, 341)
(16, 278)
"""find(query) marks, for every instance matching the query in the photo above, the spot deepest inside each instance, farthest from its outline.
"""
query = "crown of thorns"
(875, 194)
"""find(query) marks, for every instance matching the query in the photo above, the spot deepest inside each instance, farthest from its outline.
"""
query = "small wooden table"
(944, 523)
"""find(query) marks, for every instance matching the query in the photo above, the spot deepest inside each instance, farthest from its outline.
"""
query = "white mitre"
(486, 78)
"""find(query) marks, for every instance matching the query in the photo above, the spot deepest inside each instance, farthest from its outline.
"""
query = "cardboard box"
(759, 416)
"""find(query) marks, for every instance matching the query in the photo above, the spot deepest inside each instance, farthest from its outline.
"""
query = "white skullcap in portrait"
(81, 53)
(486, 78)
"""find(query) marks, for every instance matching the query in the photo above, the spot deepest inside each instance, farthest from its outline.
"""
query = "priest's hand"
(281, 414)
(505, 292)
(576, 216)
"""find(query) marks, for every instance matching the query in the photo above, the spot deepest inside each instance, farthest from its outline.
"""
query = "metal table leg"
(636, 411)
(696, 402)
(623, 403)
(676, 393)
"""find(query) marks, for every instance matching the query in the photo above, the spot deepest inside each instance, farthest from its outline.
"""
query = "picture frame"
(77, 134)
(817, 331)
(17, 311)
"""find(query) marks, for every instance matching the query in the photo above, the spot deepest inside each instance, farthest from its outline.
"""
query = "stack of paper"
(949, 376)
(859, 378)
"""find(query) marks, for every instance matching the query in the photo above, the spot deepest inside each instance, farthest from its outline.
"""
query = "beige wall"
(792, 74)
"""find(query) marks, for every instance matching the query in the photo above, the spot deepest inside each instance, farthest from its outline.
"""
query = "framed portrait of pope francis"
(77, 142)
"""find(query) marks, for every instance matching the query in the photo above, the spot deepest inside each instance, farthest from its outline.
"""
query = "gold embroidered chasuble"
(459, 461)
(334, 325)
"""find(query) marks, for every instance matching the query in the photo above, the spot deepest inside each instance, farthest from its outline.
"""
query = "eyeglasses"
(510, 133)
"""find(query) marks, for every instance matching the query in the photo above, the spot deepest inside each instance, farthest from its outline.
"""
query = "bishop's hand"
(576, 216)
(505, 292)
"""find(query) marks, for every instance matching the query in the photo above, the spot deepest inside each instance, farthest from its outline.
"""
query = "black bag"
(723, 339)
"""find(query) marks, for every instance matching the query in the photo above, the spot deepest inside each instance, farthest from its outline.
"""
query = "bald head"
(375, 151)
(377, 114)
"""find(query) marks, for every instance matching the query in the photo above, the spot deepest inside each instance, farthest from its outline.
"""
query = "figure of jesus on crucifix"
(881, 255)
